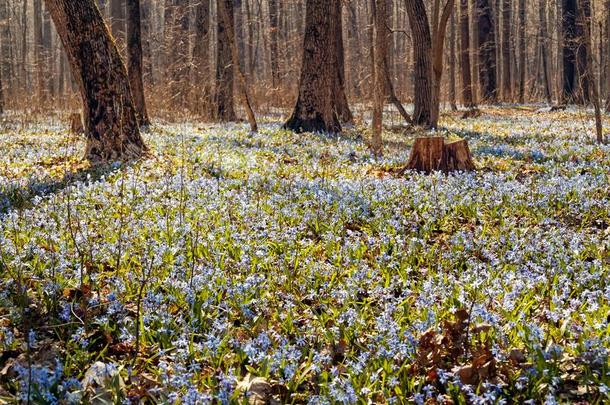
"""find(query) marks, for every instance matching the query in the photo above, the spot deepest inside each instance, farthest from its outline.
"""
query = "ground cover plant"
(297, 268)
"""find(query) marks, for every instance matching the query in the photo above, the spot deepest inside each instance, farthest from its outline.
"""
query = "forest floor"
(297, 268)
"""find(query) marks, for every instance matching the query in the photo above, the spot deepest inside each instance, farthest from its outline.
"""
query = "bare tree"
(110, 118)
(380, 56)
(568, 24)
(274, 47)
(507, 93)
(201, 59)
(522, 50)
(467, 94)
(544, 50)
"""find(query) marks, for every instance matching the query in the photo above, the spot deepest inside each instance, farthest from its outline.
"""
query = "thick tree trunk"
(467, 94)
(522, 49)
(487, 51)
(315, 107)
(423, 71)
(201, 60)
(568, 24)
(110, 119)
(224, 66)
(134, 60)
(274, 29)
(507, 93)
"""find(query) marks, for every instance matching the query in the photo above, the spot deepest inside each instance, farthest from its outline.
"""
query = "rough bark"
(608, 56)
(422, 70)
(224, 109)
(467, 94)
(315, 107)
(134, 60)
(487, 51)
(507, 93)
(568, 24)
(110, 119)
(201, 60)
(117, 22)
(431, 154)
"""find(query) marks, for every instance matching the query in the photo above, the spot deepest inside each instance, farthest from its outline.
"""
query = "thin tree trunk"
(134, 60)
(569, 50)
(201, 59)
(522, 50)
(467, 96)
(507, 93)
(341, 104)
(544, 43)
(608, 56)
(452, 63)
(487, 51)
(224, 15)
(224, 66)
(583, 49)
(38, 49)
(380, 56)
(315, 108)
(274, 30)
(110, 119)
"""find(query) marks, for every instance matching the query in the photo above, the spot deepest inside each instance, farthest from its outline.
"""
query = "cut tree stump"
(432, 154)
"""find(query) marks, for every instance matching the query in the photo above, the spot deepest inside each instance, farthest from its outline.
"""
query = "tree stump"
(432, 154)
(76, 124)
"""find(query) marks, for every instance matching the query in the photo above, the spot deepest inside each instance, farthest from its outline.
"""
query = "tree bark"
(38, 49)
(315, 107)
(544, 44)
(117, 22)
(608, 56)
(432, 154)
(110, 119)
(381, 49)
(583, 49)
(134, 61)
(201, 60)
(522, 49)
(225, 110)
(422, 72)
(467, 95)
(341, 104)
(273, 34)
(487, 51)
(507, 93)
(568, 24)
(452, 63)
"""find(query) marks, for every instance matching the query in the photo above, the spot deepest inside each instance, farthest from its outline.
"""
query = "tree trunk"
(134, 60)
(201, 59)
(568, 24)
(583, 49)
(381, 49)
(608, 56)
(110, 119)
(452, 63)
(224, 66)
(177, 34)
(315, 107)
(467, 95)
(487, 51)
(507, 93)
(341, 104)
(273, 33)
(544, 43)
(117, 22)
(422, 72)
(224, 15)
(38, 49)
(522, 49)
